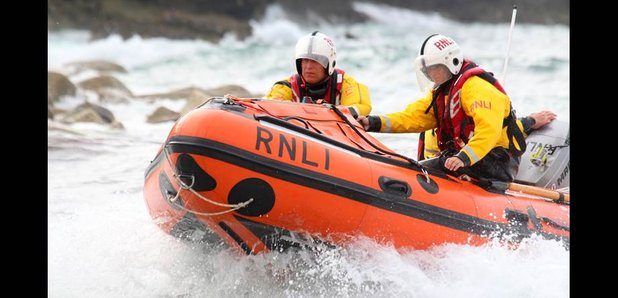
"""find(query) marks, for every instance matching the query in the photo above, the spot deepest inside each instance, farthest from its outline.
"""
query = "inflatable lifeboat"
(268, 175)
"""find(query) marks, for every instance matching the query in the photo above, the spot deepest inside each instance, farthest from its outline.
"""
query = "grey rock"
(101, 66)
(85, 115)
(162, 114)
(183, 93)
(58, 85)
(191, 104)
(103, 84)
(104, 114)
(235, 90)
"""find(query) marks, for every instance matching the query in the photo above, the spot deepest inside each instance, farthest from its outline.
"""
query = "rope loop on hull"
(184, 186)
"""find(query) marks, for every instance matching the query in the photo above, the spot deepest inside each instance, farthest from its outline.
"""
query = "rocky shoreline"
(104, 88)
(211, 19)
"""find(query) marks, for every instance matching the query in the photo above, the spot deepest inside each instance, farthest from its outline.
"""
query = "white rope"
(426, 175)
(190, 188)
(173, 201)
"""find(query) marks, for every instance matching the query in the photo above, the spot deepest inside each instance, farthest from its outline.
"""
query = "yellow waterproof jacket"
(430, 143)
(353, 94)
(480, 100)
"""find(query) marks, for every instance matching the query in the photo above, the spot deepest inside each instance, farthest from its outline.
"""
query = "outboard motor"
(547, 158)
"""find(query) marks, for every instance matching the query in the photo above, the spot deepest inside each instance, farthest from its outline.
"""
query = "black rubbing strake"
(271, 236)
(241, 243)
(517, 219)
(153, 164)
(188, 225)
(534, 219)
(279, 239)
(168, 191)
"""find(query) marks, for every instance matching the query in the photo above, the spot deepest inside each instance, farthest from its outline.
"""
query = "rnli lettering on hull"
(287, 147)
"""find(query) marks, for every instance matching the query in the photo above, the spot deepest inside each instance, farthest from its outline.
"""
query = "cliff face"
(178, 19)
(211, 19)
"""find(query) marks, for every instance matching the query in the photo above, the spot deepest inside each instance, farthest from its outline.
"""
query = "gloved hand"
(363, 121)
(370, 123)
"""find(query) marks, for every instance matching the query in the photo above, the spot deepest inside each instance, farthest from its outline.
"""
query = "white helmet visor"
(422, 76)
(323, 60)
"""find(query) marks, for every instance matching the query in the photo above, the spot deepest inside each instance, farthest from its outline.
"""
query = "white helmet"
(437, 49)
(318, 47)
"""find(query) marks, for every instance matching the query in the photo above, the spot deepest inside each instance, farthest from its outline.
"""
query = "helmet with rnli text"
(437, 49)
(319, 47)
(440, 49)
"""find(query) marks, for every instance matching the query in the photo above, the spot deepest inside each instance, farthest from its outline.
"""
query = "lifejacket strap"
(333, 88)
(353, 111)
(513, 132)
(421, 146)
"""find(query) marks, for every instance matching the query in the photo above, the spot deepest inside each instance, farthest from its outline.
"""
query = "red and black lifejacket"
(332, 94)
(454, 127)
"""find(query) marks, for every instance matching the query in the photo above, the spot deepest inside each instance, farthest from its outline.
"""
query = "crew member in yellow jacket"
(318, 81)
(428, 144)
(475, 125)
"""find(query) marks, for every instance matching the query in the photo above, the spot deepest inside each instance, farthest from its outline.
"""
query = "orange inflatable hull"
(267, 175)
